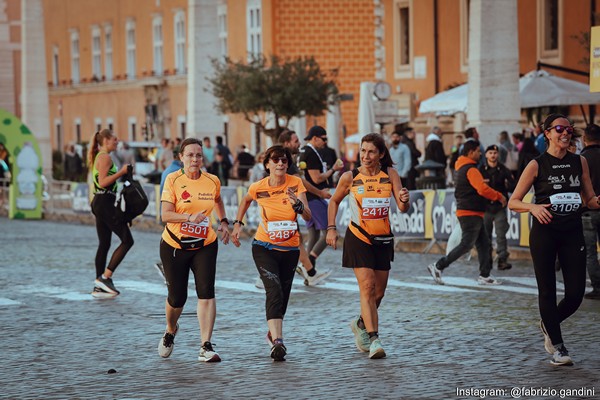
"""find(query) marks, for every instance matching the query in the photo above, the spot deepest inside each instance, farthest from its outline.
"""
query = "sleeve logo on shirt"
(185, 195)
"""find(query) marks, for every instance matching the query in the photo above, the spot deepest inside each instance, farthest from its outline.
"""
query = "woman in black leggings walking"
(105, 176)
(561, 181)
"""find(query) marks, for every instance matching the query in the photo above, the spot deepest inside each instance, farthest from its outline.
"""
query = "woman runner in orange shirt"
(281, 198)
(368, 243)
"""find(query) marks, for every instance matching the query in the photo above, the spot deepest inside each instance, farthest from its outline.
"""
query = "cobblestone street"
(59, 342)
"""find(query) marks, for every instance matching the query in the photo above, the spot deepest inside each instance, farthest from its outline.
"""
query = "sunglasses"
(276, 160)
(562, 128)
(323, 138)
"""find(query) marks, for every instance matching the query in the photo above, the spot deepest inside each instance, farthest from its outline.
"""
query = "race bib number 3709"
(375, 207)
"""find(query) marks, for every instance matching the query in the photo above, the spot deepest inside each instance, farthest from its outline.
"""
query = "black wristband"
(237, 221)
(331, 228)
(224, 220)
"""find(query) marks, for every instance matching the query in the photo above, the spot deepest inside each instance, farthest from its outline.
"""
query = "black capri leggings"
(177, 264)
(276, 269)
(545, 243)
(107, 222)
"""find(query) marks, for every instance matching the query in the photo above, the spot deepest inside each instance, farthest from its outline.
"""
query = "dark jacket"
(499, 178)
(471, 191)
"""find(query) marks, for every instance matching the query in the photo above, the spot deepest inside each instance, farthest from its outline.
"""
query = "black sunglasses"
(562, 128)
(277, 159)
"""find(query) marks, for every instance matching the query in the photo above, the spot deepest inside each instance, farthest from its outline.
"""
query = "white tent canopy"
(537, 88)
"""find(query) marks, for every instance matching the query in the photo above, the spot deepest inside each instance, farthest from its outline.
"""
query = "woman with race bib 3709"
(368, 243)
(281, 199)
(562, 185)
(189, 242)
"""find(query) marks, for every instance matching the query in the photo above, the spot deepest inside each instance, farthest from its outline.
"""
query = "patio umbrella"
(538, 88)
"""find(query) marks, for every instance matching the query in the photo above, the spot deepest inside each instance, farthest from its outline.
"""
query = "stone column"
(34, 95)
(203, 45)
(7, 77)
(494, 100)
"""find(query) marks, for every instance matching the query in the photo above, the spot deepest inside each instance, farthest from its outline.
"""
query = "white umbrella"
(538, 88)
(355, 139)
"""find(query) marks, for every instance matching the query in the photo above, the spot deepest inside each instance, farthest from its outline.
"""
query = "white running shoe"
(102, 294)
(259, 283)
(436, 273)
(166, 343)
(488, 280)
(547, 341)
(561, 356)
(317, 279)
(361, 337)
(207, 353)
(376, 351)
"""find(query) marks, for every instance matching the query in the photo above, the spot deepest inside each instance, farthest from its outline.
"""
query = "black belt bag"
(376, 240)
(186, 242)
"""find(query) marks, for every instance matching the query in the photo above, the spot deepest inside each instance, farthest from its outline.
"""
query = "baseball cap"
(491, 147)
(317, 131)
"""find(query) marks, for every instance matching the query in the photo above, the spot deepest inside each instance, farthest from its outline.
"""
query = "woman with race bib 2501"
(562, 185)
(281, 199)
(368, 243)
(189, 242)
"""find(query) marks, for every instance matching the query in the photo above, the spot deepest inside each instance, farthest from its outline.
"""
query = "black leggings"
(178, 263)
(545, 244)
(107, 223)
(276, 269)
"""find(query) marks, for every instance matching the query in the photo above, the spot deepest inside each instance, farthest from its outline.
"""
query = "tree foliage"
(270, 92)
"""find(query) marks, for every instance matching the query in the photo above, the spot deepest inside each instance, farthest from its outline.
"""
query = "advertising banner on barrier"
(432, 213)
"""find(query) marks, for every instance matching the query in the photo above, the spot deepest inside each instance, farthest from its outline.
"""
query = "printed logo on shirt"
(556, 179)
(385, 179)
(262, 195)
(361, 190)
(574, 181)
(557, 187)
(561, 166)
(358, 182)
(371, 180)
(370, 188)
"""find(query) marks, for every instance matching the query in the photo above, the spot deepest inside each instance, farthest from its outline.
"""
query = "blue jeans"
(591, 233)
(498, 219)
(473, 233)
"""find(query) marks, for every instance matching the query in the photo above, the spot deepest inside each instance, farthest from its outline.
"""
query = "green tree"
(276, 87)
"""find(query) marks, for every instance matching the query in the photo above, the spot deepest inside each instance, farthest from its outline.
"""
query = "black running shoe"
(106, 285)
(278, 351)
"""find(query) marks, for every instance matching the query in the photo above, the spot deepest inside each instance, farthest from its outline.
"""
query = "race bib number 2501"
(199, 230)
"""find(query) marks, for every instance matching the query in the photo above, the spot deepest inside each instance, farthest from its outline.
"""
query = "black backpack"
(131, 200)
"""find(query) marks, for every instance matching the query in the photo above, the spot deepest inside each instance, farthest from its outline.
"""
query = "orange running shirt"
(191, 196)
(278, 219)
(370, 200)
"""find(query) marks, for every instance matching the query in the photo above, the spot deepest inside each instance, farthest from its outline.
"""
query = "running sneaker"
(102, 294)
(259, 283)
(270, 340)
(435, 273)
(278, 351)
(488, 280)
(547, 342)
(207, 353)
(361, 337)
(106, 285)
(561, 356)
(166, 343)
(161, 271)
(376, 351)
(300, 270)
(318, 278)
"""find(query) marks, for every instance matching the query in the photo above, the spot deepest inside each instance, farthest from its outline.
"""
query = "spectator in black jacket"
(435, 148)
(498, 177)
(415, 154)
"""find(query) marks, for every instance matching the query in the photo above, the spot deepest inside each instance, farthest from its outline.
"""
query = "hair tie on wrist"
(237, 221)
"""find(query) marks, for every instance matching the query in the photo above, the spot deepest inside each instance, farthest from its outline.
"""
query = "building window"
(55, 76)
(465, 12)
(108, 53)
(402, 38)
(181, 121)
(78, 130)
(550, 28)
(254, 27)
(96, 53)
(110, 124)
(59, 135)
(75, 56)
(130, 48)
(157, 45)
(98, 124)
(180, 42)
(222, 19)
(132, 122)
